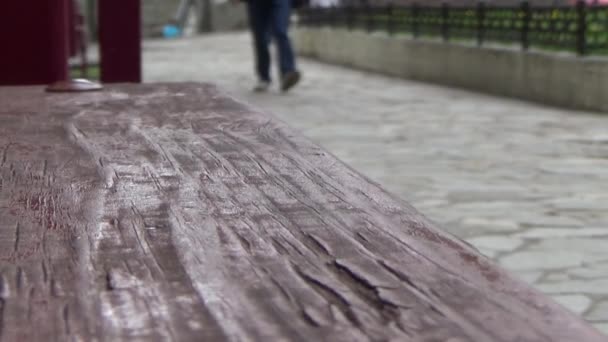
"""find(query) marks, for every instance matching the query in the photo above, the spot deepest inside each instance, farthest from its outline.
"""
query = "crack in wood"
(332, 296)
(281, 289)
(109, 282)
(19, 279)
(45, 274)
(30, 303)
(2, 323)
(66, 319)
(54, 291)
(317, 246)
(5, 154)
(4, 291)
(278, 246)
(17, 238)
(309, 319)
(244, 243)
(403, 277)
(389, 312)
(140, 243)
(44, 168)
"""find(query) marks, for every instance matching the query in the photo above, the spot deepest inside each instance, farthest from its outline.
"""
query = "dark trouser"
(270, 19)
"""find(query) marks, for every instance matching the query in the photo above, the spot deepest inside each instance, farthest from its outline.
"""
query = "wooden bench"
(173, 212)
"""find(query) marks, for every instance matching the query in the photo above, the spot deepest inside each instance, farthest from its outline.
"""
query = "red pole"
(120, 40)
(61, 14)
(59, 42)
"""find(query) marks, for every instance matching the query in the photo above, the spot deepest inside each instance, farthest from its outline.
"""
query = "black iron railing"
(582, 28)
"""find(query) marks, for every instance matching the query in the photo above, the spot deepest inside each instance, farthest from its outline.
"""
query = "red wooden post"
(120, 40)
(25, 45)
(35, 44)
(61, 28)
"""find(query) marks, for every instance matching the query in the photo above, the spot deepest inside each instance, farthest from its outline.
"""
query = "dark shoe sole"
(290, 80)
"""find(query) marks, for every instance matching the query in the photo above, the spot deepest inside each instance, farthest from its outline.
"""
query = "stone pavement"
(526, 184)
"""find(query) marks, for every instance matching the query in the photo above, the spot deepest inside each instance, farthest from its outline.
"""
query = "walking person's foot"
(261, 87)
(290, 79)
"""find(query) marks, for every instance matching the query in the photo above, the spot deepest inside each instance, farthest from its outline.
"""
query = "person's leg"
(281, 13)
(259, 22)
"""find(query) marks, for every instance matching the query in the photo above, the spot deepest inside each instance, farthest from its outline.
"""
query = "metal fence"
(582, 28)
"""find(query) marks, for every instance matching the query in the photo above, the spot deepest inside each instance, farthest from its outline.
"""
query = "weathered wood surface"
(171, 212)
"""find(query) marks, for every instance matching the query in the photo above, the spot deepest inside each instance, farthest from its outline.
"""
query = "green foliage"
(93, 72)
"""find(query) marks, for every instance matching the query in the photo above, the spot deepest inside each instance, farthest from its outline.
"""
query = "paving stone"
(602, 327)
(581, 203)
(490, 225)
(531, 220)
(599, 312)
(564, 232)
(490, 253)
(575, 303)
(496, 243)
(595, 286)
(555, 278)
(590, 271)
(592, 250)
(489, 195)
(541, 260)
(529, 277)
(576, 166)
(589, 245)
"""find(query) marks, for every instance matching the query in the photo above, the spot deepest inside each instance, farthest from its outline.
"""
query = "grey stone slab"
(530, 277)
(541, 260)
(577, 166)
(594, 286)
(530, 219)
(490, 194)
(496, 243)
(591, 250)
(564, 232)
(490, 253)
(581, 203)
(490, 225)
(603, 327)
(592, 271)
(599, 312)
(575, 303)
(555, 277)
(589, 245)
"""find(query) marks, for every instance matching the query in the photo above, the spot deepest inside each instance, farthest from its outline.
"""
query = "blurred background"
(489, 118)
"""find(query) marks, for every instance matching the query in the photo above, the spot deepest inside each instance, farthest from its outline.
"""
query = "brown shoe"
(290, 79)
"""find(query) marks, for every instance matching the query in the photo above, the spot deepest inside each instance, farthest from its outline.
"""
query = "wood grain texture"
(172, 212)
